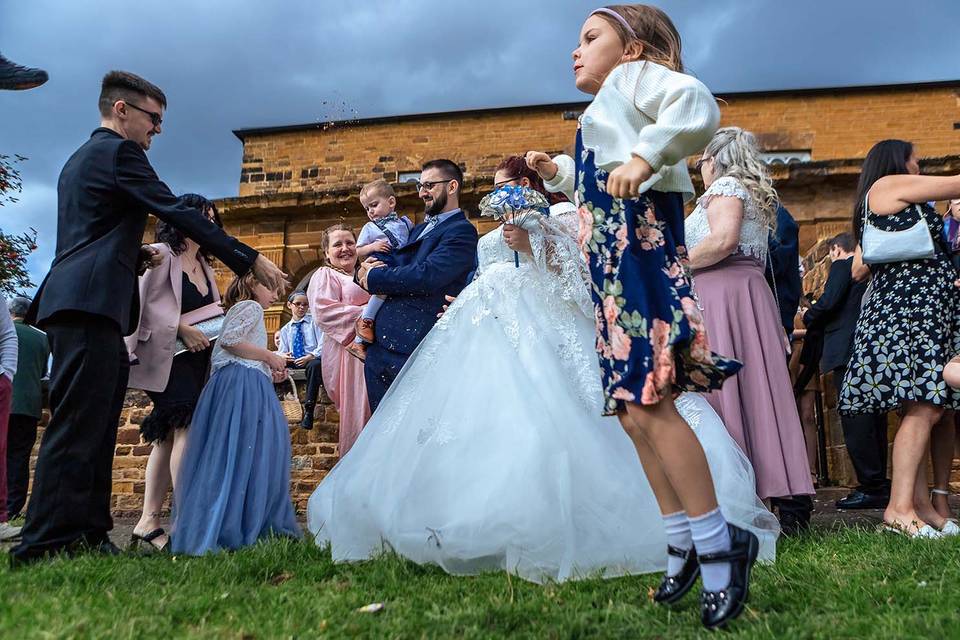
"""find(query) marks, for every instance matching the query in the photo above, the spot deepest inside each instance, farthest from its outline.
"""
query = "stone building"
(296, 180)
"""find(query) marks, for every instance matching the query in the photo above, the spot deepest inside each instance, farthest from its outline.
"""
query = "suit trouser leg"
(21, 436)
(72, 484)
(6, 399)
(380, 370)
(314, 375)
(866, 438)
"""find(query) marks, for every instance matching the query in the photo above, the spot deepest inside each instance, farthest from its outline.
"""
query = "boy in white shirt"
(301, 342)
(385, 232)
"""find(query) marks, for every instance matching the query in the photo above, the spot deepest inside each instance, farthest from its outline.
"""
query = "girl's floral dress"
(650, 335)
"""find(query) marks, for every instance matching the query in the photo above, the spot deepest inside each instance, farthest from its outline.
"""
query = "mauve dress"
(336, 302)
(757, 405)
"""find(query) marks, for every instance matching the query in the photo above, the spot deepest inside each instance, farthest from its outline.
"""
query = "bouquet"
(516, 205)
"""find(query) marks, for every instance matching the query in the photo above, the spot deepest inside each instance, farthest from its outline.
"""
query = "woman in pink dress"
(336, 302)
(727, 238)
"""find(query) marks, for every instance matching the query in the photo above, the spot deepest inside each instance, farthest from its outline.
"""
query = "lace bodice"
(553, 280)
(243, 323)
(754, 232)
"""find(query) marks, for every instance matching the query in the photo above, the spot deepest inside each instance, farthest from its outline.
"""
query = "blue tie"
(298, 349)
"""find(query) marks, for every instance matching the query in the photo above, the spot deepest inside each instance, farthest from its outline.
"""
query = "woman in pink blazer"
(178, 293)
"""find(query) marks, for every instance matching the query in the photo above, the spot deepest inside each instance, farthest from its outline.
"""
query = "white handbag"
(881, 246)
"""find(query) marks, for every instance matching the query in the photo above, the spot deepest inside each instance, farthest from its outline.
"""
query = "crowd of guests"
(705, 305)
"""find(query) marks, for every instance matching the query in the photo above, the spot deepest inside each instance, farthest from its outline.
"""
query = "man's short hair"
(19, 306)
(449, 169)
(120, 85)
(380, 188)
(843, 240)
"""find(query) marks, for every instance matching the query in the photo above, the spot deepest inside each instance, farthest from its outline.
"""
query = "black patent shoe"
(672, 588)
(717, 608)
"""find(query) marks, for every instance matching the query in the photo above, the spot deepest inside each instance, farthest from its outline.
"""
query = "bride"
(489, 451)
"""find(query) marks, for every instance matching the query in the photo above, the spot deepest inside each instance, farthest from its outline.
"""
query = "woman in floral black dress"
(908, 330)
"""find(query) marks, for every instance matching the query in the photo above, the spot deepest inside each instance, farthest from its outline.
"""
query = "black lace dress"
(173, 407)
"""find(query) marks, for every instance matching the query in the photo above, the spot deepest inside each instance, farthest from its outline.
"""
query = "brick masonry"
(295, 183)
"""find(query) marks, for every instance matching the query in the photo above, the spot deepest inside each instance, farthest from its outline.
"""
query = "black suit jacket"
(104, 194)
(783, 264)
(836, 313)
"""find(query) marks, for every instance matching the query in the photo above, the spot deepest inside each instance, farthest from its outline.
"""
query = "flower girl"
(234, 482)
(629, 180)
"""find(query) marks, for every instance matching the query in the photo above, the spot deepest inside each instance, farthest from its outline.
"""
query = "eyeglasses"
(155, 117)
(503, 183)
(701, 162)
(429, 185)
(300, 304)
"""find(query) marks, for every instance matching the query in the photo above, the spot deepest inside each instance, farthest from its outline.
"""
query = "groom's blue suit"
(416, 279)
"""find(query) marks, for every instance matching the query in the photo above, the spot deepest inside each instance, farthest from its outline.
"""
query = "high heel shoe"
(717, 608)
(672, 588)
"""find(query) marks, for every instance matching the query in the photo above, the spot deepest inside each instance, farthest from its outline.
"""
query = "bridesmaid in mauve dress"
(336, 302)
(727, 237)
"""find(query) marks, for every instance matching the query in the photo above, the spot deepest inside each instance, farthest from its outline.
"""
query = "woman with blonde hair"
(727, 238)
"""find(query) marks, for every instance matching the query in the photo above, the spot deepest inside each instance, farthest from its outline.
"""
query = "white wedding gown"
(489, 451)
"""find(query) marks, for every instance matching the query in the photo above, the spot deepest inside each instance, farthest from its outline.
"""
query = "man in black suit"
(89, 301)
(835, 313)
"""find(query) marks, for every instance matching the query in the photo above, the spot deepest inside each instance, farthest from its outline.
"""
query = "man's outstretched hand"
(148, 259)
(269, 274)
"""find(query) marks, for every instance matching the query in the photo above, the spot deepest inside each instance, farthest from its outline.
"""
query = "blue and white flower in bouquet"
(515, 205)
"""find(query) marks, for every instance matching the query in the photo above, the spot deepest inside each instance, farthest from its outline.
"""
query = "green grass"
(844, 584)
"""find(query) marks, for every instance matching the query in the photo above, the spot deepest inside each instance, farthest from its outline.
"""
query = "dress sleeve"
(331, 314)
(565, 180)
(241, 320)
(555, 252)
(726, 186)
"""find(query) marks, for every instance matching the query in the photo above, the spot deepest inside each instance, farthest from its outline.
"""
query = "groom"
(435, 263)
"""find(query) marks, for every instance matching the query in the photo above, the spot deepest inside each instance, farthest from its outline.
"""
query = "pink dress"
(336, 302)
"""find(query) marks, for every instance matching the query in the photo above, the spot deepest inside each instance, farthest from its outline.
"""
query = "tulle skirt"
(484, 456)
(233, 486)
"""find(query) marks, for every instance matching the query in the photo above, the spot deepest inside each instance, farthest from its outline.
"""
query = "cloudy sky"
(227, 64)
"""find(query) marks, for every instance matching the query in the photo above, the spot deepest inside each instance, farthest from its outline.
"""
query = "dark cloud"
(226, 65)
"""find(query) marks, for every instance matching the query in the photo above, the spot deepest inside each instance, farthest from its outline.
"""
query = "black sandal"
(672, 588)
(717, 608)
(145, 542)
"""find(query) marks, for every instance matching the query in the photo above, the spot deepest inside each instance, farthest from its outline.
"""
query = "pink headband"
(616, 16)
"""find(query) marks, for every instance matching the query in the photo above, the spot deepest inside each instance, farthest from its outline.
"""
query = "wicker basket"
(290, 403)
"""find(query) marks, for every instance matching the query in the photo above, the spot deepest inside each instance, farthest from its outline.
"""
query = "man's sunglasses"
(154, 116)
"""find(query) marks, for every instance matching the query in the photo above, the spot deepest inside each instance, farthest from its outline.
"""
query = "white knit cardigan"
(644, 109)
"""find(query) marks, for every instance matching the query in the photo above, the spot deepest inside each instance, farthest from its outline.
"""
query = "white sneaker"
(8, 532)
(951, 528)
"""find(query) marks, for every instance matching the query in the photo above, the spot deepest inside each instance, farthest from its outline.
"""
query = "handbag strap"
(293, 385)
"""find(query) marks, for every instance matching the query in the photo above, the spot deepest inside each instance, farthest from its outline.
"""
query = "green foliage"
(14, 249)
(848, 583)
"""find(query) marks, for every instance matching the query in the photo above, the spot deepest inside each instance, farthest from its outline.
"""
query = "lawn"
(849, 583)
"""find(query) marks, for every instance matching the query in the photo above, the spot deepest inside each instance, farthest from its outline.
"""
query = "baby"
(385, 232)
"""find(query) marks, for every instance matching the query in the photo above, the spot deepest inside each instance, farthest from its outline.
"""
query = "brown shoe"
(366, 330)
(358, 351)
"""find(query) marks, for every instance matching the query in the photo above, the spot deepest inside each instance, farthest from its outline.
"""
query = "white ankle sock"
(710, 535)
(678, 535)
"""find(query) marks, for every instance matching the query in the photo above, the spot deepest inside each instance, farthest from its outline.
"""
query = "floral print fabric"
(909, 328)
(651, 341)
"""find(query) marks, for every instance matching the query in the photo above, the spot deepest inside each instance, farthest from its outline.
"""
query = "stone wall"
(830, 125)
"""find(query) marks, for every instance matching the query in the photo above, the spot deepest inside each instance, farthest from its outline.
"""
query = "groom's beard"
(435, 206)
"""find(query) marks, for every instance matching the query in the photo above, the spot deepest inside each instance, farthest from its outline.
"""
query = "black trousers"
(73, 480)
(21, 436)
(865, 435)
(314, 376)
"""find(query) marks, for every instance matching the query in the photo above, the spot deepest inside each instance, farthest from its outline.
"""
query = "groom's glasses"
(431, 184)
(155, 117)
